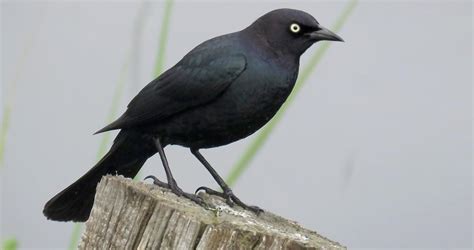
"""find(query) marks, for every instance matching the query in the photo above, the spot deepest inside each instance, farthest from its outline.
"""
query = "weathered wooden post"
(135, 215)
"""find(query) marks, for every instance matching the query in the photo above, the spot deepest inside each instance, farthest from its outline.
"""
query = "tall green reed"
(162, 44)
(163, 38)
(105, 140)
(244, 161)
(10, 93)
(4, 130)
(119, 89)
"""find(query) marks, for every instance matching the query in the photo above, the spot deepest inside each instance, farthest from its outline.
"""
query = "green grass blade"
(112, 115)
(137, 46)
(162, 43)
(118, 93)
(12, 243)
(76, 233)
(4, 131)
(10, 98)
(244, 162)
(165, 24)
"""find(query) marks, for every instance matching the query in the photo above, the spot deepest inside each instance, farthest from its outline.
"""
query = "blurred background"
(374, 151)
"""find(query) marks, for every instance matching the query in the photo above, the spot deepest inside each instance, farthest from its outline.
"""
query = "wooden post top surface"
(136, 215)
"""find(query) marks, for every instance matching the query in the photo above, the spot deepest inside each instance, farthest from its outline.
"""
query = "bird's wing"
(197, 79)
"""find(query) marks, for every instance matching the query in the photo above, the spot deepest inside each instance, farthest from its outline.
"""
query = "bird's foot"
(157, 182)
(177, 190)
(198, 200)
(230, 198)
(173, 186)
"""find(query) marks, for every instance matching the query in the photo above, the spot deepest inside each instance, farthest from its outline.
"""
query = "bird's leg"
(171, 181)
(227, 193)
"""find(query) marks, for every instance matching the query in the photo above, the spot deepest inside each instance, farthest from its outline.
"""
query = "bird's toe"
(210, 191)
(157, 182)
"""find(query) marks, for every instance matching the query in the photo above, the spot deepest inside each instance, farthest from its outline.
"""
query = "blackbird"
(223, 90)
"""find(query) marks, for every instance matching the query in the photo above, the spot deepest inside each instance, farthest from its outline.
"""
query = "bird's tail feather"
(126, 156)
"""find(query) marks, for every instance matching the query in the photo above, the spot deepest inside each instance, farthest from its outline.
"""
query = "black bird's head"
(290, 31)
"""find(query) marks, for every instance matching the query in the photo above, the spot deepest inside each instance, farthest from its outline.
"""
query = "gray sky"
(374, 153)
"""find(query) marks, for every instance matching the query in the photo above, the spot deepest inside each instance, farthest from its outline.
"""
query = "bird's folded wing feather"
(197, 79)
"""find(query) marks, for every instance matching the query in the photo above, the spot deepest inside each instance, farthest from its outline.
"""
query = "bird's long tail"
(126, 156)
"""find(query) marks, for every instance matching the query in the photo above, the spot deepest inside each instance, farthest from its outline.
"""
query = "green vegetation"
(10, 96)
(118, 93)
(3, 131)
(10, 244)
(163, 38)
(105, 141)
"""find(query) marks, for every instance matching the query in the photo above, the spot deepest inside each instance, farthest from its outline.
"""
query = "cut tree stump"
(134, 215)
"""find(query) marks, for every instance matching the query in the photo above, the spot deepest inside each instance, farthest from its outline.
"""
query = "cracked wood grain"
(135, 215)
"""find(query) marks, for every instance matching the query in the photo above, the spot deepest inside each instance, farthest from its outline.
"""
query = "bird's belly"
(233, 116)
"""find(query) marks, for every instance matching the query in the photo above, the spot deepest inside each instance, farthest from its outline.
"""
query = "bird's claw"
(157, 182)
(210, 191)
(177, 190)
(171, 186)
(230, 198)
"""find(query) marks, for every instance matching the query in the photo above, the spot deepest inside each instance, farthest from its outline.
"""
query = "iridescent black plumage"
(224, 90)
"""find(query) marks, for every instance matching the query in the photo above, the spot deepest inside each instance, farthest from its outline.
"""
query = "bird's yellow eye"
(295, 28)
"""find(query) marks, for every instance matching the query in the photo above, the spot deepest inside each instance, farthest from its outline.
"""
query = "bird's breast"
(264, 89)
(248, 104)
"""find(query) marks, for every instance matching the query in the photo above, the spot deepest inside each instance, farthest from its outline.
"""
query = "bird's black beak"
(324, 34)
